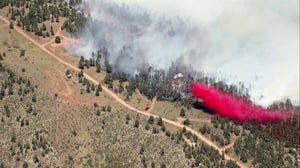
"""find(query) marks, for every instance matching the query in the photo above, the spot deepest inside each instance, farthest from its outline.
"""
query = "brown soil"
(65, 90)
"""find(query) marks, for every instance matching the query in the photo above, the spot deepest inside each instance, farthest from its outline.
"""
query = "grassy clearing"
(172, 111)
(172, 128)
(166, 110)
(35, 61)
(138, 102)
(196, 113)
(4, 11)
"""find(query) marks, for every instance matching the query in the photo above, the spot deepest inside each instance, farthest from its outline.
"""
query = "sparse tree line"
(14, 85)
(89, 86)
(257, 143)
(98, 60)
(75, 22)
(38, 144)
(31, 14)
(10, 81)
(228, 128)
(286, 132)
(265, 152)
(199, 155)
(20, 91)
(262, 144)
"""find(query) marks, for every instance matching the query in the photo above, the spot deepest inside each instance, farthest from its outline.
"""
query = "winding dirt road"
(114, 96)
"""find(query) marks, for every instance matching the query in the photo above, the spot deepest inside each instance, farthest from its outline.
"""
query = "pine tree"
(51, 31)
(44, 27)
(81, 63)
(244, 157)
(98, 112)
(99, 87)
(160, 121)
(182, 112)
(34, 98)
(127, 118)
(162, 152)
(11, 25)
(186, 122)
(2, 93)
(151, 120)
(152, 165)
(97, 92)
(136, 123)
(25, 165)
(147, 127)
(57, 39)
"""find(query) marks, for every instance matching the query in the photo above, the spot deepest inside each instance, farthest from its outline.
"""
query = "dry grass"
(36, 63)
(4, 11)
(77, 137)
(172, 111)
(2, 22)
(123, 147)
(166, 110)
(80, 138)
(61, 52)
(136, 100)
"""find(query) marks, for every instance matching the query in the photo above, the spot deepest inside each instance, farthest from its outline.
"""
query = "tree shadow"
(198, 105)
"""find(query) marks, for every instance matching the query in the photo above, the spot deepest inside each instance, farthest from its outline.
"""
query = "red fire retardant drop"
(235, 108)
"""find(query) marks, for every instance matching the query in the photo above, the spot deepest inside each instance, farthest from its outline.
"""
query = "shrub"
(57, 39)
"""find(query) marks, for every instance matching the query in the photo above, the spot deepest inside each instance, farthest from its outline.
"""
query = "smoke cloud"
(256, 42)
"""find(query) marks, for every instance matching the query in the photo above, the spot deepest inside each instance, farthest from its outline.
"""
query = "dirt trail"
(57, 33)
(228, 146)
(152, 104)
(188, 141)
(4, 19)
(180, 120)
(66, 94)
(114, 96)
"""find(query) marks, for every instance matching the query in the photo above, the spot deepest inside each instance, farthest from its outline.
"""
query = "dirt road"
(227, 146)
(56, 34)
(114, 96)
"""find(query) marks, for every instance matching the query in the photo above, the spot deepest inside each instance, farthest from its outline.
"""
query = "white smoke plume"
(256, 42)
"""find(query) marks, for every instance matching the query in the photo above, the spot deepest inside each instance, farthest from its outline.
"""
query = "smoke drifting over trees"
(254, 42)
